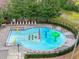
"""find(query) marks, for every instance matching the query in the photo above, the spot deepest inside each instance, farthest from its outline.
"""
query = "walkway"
(3, 35)
(3, 53)
(13, 53)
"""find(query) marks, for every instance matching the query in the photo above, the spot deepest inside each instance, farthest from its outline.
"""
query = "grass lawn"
(71, 16)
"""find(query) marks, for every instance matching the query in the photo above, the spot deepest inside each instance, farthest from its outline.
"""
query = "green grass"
(72, 16)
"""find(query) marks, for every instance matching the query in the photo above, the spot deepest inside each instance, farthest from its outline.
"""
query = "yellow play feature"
(17, 29)
(14, 41)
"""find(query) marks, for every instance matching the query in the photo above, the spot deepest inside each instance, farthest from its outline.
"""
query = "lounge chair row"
(22, 23)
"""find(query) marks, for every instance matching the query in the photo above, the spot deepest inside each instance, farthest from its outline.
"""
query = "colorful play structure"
(55, 35)
(31, 37)
(17, 29)
(14, 41)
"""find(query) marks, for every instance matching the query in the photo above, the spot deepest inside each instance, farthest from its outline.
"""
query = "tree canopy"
(1, 16)
(69, 5)
(33, 9)
(15, 9)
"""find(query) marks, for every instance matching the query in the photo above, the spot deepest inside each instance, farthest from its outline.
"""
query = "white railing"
(23, 23)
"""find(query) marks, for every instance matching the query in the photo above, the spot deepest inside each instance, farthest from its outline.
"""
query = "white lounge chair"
(17, 23)
(20, 22)
(11, 23)
(34, 22)
(26, 22)
(23, 22)
(29, 22)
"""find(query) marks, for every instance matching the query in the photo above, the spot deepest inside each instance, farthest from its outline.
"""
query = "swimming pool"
(42, 38)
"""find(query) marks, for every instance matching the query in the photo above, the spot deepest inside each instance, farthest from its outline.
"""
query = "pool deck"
(3, 35)
(12, 52)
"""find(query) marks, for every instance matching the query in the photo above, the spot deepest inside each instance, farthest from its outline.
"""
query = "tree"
(1, 17)
(15, 9)
(45, 9)
(33, 9)
(68, 5)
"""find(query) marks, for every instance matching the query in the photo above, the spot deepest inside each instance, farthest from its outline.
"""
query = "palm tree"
(55, 35)
(1, 17)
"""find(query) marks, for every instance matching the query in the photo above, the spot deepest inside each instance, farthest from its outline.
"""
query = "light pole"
(72, 56)
(18, 50)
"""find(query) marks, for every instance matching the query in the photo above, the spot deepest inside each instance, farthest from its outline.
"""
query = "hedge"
(49, 55)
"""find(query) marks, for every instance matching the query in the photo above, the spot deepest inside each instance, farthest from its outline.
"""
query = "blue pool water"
(37, 38)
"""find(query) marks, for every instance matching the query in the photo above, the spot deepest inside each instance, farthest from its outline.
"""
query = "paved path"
(13, 53)
(3, 49)
(3, 36)
(3, 53)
